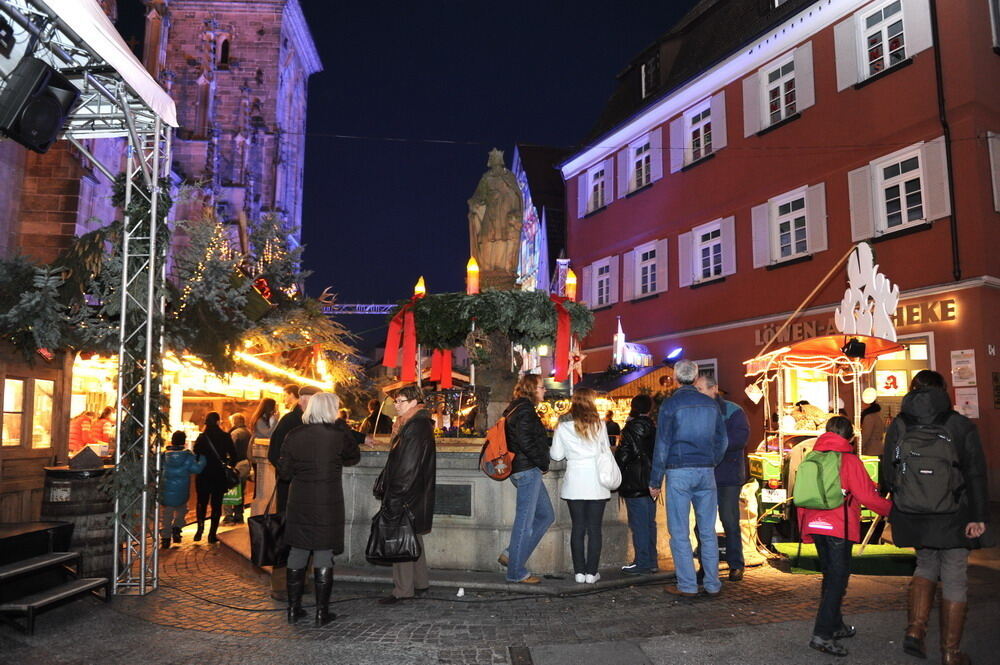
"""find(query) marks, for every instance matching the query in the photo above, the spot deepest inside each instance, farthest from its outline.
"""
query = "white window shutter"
(917, 26)
(751, 104)
(629, 290)
(582, 191)
(662, 275)
(719, 121)
(656, 154)
(728, 226)
(676, 147)
(845, 37)
(805, 85)
(859, 182)
(760, 225)
(993, 141)
(613, 282)
(934, 164)
(816, 218)
(624, 172)
(685, 254)
(586, 284)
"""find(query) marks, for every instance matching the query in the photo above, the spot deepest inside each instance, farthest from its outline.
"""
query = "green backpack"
(817, 482)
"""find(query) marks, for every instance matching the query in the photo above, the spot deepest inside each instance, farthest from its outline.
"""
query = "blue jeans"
(729, 514)
(532, 518)
(687, 487)
(642, 523)
(835, 562)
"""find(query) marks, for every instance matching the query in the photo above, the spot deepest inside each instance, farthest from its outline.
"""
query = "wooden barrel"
(74, 495)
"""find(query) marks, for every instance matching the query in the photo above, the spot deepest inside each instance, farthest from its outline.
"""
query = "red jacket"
(860, 491)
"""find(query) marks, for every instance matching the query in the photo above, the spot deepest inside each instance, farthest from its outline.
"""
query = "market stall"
(801, 387)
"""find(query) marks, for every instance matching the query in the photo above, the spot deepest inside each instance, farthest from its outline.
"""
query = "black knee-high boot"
(324, 585)
(294, 582)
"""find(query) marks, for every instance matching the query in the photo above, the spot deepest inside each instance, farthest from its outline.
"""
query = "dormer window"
(650, 74)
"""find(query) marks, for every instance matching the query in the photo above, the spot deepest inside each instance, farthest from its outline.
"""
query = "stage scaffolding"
(117, 99)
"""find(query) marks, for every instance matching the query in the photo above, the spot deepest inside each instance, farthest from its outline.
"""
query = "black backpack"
(926, 474)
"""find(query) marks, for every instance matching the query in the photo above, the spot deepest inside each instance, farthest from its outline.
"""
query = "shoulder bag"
(393, 538)
(232, 475)
(267, 537)
(608, 473)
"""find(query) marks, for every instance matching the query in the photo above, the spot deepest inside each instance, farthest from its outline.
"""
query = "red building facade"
(748, 150)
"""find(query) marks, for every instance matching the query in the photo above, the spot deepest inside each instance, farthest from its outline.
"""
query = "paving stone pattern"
(204, 591)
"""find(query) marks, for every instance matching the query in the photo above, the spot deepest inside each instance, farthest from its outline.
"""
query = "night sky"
(384, 209)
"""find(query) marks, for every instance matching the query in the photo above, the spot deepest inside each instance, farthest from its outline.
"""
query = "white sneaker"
(592, 579)
(580, 578)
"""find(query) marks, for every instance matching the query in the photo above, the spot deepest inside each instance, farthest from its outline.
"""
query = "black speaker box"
(34, 104)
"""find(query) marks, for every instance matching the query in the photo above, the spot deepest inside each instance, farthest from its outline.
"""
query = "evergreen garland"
(527, 318)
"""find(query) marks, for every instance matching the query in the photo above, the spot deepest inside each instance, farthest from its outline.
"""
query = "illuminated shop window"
(884, 39)
(41, 413)
(13, 411)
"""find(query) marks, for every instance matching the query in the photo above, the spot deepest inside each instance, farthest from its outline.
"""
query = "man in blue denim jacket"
(690, 442)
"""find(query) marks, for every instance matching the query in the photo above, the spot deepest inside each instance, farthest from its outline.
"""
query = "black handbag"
(392, 539)
(267, 537)
(231, 475)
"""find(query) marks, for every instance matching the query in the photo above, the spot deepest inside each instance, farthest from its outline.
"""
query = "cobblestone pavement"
(210, 610)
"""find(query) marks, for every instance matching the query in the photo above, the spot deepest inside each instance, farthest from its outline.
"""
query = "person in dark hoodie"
(635, 458)
(834, 539)
(942, 540)
(216, 446)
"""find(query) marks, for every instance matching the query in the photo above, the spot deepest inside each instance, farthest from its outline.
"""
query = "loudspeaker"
(35, 103)
(854, 348)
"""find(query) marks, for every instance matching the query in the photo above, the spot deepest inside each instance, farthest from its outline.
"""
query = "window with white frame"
(885, 41)
(906, 188)
(709, 368)
(646, 269)
(602, 285)
(779, 91)
(699, 132)
(598, 189)
(642, 173)
(707, 253)
(900, 195)
(790, 235)
(995, 22)
(708, 250)
(789, 226)
(879, 37)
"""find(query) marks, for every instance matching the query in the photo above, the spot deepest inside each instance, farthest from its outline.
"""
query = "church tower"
(238, 70)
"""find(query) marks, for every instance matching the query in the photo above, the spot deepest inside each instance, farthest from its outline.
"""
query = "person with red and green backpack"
(831, 485)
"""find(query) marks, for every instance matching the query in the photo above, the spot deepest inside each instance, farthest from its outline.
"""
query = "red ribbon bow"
(441, 367)
(562, 338)
(402, 327)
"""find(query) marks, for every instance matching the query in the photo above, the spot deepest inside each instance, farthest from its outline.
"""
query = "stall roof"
(625, 385)
(92, 26)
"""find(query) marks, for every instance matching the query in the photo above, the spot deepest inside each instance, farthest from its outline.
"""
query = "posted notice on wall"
(963, 367)
(967, 402)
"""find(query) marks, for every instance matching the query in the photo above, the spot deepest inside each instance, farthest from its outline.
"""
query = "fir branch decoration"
(527, 318)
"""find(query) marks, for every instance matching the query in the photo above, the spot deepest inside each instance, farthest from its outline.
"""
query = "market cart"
(801, 387)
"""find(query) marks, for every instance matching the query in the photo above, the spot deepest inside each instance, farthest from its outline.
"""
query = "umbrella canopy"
(826, 354)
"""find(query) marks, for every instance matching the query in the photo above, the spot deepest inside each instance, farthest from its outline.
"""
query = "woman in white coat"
(580, 438)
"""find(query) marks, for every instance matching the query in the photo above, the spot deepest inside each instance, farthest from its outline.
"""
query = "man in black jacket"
(635, 458)
(528, 440)
(942, 540)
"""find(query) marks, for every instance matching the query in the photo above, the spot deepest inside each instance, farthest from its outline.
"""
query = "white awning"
(91, 24)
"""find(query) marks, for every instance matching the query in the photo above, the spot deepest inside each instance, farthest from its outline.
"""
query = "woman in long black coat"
(408, 481)
(215, 446)
(942, 541)
(312, 461)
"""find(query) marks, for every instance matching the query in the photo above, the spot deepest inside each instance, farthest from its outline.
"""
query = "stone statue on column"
(496, 212)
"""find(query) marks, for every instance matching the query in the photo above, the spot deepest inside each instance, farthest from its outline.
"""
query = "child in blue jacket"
(175, 483)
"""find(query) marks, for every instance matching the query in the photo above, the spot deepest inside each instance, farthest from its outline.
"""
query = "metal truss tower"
(110, 108)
